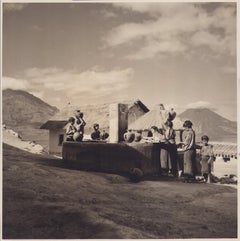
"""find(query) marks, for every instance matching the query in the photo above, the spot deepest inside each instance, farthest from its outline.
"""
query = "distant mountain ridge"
(21, 107)
(25, 113)
(207, 122)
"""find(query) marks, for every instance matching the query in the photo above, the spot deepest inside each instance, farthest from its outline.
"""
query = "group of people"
(168, 153)
(189, 157)
(169, 157)
(75, 127)
(97, 135)
(166, 135)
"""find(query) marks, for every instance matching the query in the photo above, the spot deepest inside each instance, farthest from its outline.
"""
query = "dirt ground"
(42, 199)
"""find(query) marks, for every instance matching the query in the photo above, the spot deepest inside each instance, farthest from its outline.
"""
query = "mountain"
(207, 122)
(25, 113)
(20, 108)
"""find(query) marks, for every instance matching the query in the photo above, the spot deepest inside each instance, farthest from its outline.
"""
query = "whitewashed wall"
(53, 141)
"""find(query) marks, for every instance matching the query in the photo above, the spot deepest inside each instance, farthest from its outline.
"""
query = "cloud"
(214, 42)
(200, 104)
(14, 83)
(11, 7)
(154, 47)
(175, 27)
(53, 83)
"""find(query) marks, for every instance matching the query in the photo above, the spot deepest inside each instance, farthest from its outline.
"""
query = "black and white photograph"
(119, 120)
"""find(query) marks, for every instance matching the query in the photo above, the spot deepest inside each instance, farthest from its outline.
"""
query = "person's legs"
(173, 155)
(205, 175)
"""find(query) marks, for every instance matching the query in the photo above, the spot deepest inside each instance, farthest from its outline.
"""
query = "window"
(60, 139)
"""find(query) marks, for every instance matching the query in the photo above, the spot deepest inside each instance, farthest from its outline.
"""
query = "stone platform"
(117, 158)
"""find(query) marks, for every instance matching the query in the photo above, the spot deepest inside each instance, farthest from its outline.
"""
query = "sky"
(180, 54)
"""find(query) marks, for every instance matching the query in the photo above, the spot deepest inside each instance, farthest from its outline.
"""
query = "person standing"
(79, 125)
(189, 156)
(170, 135)
(165, 159)
(207, 158)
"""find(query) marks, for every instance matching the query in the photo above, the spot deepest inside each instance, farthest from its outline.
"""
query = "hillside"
(25, 113)
(20, 107)
(212, 124)
(43, 199)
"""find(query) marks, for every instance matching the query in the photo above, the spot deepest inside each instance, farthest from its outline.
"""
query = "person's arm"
(211, 158)
(83, 122)
(70, 130)
(187, 141)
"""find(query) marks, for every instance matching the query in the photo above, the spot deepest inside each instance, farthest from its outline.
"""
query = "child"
(70, 129)
(207, 158)
(96, 134)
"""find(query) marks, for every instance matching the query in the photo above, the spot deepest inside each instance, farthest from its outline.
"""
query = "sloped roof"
(92, 114)
(153, 118)
(225, 149)
(53, 125)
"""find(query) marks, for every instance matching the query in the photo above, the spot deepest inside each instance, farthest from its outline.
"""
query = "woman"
(96, 134)
(189, 156)
(79, 124)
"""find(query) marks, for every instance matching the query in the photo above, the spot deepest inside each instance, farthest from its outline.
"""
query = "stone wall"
(117, 158)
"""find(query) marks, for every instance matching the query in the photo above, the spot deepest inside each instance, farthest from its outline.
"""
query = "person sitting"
(96, 134)
(70, 129)
(104, 135)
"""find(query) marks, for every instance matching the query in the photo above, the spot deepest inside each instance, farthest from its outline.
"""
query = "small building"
(92, 114)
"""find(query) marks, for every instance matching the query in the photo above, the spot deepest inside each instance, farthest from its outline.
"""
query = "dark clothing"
(189, 165)
(95, 135)
(168, 153)
(173, 156)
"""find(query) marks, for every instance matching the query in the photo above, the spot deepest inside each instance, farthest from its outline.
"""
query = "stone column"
(118, 122)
